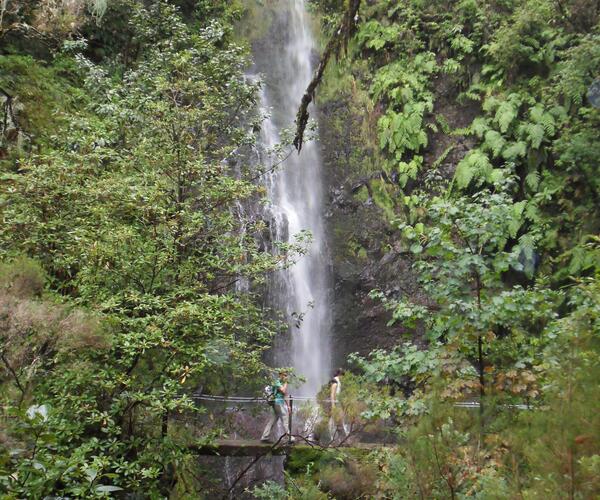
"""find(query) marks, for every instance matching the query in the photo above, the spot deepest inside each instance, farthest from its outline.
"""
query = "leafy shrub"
(349, 481)
(22, 278)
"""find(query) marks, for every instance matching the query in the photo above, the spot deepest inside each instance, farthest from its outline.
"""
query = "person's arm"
(332, 393)
(284, 388)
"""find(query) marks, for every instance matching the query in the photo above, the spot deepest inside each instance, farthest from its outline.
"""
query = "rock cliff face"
(362, 250)
(365, 252)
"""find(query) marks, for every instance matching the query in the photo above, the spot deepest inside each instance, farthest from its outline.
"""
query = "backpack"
(269, 395)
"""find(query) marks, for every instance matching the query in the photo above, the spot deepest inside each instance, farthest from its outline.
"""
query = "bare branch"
(15, 377)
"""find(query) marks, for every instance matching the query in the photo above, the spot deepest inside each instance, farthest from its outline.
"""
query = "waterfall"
(295, 191)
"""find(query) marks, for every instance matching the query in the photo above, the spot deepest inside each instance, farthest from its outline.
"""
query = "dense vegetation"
(487, 147)
(122, 239)
(122, 242)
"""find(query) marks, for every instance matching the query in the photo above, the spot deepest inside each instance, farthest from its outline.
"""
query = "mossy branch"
(337, 44)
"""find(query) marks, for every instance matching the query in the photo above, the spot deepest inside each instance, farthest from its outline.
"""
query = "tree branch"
(336, 44)
(15, 376)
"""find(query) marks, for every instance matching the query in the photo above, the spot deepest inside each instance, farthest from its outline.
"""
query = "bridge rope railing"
(307, 416)
(262, 400)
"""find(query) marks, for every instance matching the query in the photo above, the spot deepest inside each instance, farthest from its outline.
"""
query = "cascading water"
(296, 194)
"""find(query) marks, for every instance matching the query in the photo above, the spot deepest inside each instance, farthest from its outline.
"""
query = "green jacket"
(278, 392)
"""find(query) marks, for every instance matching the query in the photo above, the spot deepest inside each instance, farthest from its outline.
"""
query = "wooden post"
(290, 412)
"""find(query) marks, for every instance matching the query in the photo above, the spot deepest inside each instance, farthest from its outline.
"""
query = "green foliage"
(270, 490)
(497, 238)
(130, 211)
(476, 165)
(525, 38)
(351, 479)
(41, 95)
(551, 449)
(405, 85)
(22, 278)
(578, 69)
(117, 186)
(373, 35)
(462, 255)
(561, 444)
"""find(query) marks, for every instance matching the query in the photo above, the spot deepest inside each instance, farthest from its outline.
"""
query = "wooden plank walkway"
(253, 448)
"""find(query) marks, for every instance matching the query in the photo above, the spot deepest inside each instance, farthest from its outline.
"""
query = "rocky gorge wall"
(366, 253)
(362, 247)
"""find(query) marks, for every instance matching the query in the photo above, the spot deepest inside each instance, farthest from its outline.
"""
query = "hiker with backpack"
(277, 399)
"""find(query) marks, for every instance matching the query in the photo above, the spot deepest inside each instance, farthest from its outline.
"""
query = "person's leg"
(332, 429)
(345, 426)
(331, 421)
(285, 419)
(312, 421)
(341, 428)
(282, 416)
(266, 435)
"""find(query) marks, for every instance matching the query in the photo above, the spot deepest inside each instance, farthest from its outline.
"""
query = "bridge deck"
(252, 448)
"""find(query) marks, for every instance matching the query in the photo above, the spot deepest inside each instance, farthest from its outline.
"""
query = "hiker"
(336, 413)
(280, 407)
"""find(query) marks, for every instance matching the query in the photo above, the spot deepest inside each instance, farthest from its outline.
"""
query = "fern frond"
(535, 134)
(505, 115)
(515, 150)
(532, 180)
(532, 211)
(490, 104)
(494, 141)
(516, 220)
(475, 165)
(479, 126)
(451, 66)
(539, 115)
(497, 175)
(527, 245)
